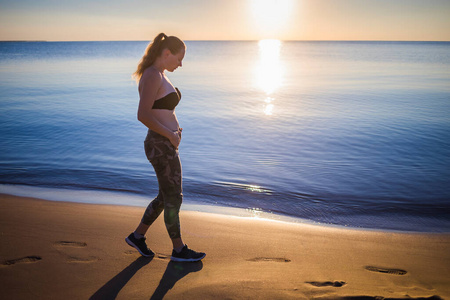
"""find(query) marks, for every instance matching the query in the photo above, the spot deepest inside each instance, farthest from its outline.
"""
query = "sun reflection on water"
(269, 71)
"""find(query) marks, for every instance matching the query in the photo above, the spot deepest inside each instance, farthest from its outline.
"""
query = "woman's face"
(175, 60)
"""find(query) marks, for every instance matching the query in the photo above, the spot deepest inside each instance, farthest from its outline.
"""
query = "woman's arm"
(148, 90)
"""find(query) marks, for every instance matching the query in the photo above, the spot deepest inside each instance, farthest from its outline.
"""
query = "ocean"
(351, 134)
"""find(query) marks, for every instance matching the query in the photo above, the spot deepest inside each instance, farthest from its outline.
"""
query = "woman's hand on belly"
(176, 138)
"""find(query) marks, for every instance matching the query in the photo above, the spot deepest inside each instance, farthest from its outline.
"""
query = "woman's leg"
(169, 173)
(137, 238)
(152, 212)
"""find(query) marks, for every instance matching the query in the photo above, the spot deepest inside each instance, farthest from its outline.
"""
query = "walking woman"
(158, 99)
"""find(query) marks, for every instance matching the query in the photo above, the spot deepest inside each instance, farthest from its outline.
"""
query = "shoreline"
(136, 200)
(58, 250)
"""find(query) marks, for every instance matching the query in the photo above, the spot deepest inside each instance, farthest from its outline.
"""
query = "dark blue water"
(347, 133)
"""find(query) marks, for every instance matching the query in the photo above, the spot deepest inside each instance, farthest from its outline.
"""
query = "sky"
(99, 20)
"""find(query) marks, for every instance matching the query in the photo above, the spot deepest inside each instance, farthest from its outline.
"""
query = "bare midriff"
(167, 118)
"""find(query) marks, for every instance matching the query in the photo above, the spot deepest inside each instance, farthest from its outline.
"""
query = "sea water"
(347, 133)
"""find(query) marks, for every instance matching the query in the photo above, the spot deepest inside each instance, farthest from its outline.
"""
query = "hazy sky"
(77, 20)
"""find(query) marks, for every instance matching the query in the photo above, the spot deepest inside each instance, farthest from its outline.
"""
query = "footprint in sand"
(327, 283)
(71, 244)
(274, 259)
(26, 259)
(386, 270)
(71, 252)
(75, 259)
(435, 297)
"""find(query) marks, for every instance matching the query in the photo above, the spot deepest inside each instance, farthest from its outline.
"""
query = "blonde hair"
(154, 50)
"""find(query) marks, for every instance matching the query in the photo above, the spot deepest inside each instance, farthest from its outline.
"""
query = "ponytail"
(154, 50)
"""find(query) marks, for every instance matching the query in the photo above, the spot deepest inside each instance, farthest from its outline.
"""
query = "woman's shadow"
(174, 272)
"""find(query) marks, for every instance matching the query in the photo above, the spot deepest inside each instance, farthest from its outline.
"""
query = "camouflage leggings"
(166, 162)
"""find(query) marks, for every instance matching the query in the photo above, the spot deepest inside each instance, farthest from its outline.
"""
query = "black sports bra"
(169, 101)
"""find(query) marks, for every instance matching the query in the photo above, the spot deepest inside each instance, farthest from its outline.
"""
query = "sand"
(60, 250)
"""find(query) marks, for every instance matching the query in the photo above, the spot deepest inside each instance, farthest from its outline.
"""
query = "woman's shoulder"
(152, 74)
(151, 77)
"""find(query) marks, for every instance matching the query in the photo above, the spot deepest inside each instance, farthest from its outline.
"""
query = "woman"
(158, 99)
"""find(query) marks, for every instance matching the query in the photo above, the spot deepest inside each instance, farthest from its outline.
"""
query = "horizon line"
(190, 40)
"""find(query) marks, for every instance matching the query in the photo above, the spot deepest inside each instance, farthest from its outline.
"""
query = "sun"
(271, 16)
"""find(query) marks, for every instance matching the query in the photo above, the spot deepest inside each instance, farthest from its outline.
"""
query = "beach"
(61, 250)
